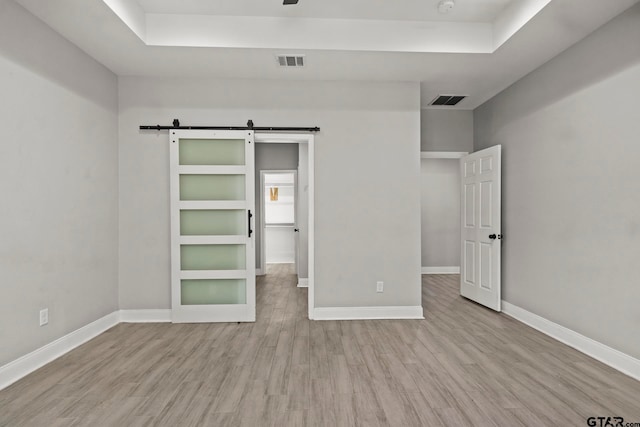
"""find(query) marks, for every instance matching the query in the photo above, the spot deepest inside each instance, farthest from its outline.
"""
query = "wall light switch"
(380, 287)
(44, 316)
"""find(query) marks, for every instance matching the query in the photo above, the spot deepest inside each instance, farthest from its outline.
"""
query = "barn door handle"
(494, 236)
(249, 216)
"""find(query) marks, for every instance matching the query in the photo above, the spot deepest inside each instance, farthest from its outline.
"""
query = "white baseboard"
(19, 368)
(303, 283)
(145, 316)
(28, 363)
(361, 313)
(605, 354)
(441, 270)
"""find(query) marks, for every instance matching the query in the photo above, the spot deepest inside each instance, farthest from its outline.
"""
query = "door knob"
(495, 236)
(296, 229)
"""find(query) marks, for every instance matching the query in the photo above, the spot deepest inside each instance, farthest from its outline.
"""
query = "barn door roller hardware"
(249, 126)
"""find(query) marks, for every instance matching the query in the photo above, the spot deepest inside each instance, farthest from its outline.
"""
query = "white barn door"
(481, 227)
(212, 239)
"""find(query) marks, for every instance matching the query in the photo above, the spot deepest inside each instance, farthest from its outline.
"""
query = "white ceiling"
(401, 10)
(96, 29)
(479, 26)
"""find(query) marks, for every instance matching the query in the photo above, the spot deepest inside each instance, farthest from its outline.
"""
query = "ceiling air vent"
(448, 100)
(291, 60)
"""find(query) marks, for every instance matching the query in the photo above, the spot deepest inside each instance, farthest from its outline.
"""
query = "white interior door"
(481, 227)
(212, 239)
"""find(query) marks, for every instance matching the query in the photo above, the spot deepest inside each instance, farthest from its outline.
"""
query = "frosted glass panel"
(218, 291)
(212, 257)
(213, 223)
(212, 187)
(212, 152)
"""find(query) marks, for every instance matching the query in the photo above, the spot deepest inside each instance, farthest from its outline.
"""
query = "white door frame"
(295, 138)
(263, 254)
(452, 155)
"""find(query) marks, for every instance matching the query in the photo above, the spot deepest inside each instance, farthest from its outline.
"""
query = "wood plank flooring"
(463, 365)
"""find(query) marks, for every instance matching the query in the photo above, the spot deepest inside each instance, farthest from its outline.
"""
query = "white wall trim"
(361, 313)
(609, 356)
(19, 368)
(260, 272)
(441, 270)
(145, 316)
(442, 154)
(303, 283)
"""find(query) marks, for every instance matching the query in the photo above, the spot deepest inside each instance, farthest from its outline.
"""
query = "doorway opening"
(281, 229)
(278, 200)
(440, 211)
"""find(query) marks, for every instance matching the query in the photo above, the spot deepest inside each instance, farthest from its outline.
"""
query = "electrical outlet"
(380, 287)
(44, 316)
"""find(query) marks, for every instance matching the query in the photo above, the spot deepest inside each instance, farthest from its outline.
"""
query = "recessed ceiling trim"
(406, 10)
(265, 32)
(514, 17)
(132, 14)
(115, 46)
(307, 33)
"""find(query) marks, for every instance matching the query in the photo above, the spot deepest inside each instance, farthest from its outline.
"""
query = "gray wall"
(271, 157)
(570, 132)
(302, 214)
(58, 163)
(440, 212)
(367, 179)
(446, 130)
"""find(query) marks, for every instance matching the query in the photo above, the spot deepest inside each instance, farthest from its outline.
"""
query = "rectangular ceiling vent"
(291, 60)
(448, 100)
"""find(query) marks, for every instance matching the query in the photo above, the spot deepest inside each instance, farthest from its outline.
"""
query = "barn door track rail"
(249, 126)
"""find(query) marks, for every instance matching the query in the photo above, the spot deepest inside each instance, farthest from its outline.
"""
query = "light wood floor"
(462, 365)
